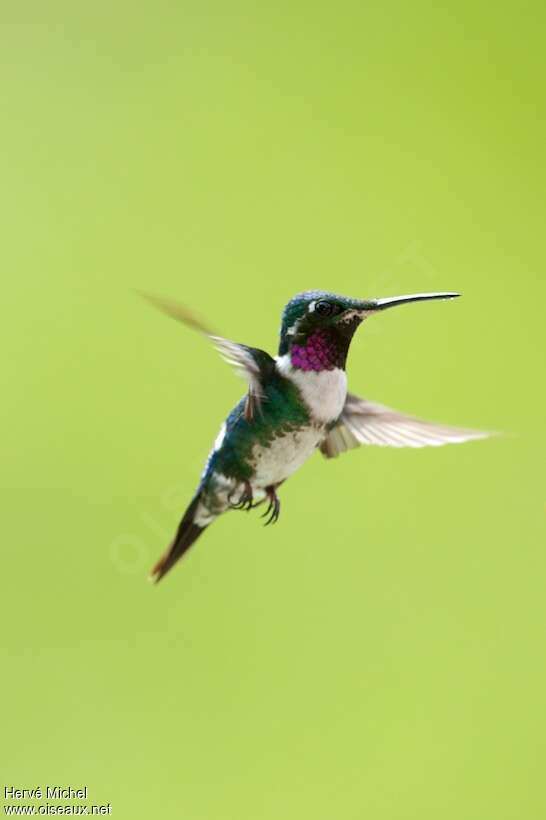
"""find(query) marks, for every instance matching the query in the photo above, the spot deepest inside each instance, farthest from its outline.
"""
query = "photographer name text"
(47, 792)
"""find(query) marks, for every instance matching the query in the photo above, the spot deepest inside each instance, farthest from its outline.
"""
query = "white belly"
(272, 465)
(283, 456)
(324, 395)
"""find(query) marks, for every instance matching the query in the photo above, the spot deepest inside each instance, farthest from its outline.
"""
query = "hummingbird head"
(317, 326)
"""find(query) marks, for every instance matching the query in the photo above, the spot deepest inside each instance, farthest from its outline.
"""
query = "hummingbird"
(296, 402)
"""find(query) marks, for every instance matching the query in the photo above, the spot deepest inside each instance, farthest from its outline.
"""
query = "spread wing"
(365, 422)
(251, 363)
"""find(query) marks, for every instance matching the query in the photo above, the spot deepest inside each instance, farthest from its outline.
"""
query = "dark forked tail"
(188, 532)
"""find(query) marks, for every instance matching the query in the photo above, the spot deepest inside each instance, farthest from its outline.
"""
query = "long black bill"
(382, 304)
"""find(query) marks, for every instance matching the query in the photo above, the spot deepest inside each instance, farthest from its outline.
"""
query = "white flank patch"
(223, 482)
(225, 491)
(203, 517)
(219, 440)
(324, 392)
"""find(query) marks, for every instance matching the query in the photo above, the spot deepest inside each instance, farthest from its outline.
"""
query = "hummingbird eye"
(324, 308)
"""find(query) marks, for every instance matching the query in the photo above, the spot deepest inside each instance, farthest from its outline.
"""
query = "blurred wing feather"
(251, 363)
(366, 422)
(244, 360)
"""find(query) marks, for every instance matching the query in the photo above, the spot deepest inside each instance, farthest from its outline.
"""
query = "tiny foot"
(274, 507)
(245, 502)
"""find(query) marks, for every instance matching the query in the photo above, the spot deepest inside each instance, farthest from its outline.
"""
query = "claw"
(246, 500)
(274, 507)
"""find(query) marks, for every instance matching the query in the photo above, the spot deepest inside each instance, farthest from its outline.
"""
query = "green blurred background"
(380, 653)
